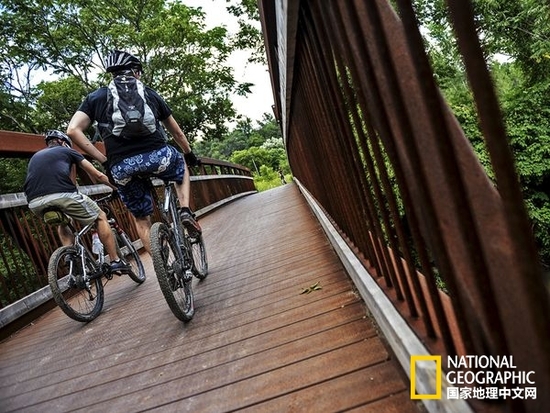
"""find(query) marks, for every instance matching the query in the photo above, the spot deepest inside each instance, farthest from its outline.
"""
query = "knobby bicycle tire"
(200, 260)
(169, 269)
(128, 252)
(68, 290)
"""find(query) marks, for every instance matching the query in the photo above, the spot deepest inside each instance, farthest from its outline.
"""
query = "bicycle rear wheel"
(131, 256)
(200, 261)
(80, 300)
(170, 270)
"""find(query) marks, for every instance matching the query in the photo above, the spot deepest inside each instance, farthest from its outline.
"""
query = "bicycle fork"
(170, 209)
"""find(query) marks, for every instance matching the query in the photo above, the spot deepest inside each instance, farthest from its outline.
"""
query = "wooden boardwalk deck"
(256, 344)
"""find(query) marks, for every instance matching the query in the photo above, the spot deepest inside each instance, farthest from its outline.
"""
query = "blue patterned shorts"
(132, 177)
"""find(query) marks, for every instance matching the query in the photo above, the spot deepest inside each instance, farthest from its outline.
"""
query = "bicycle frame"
(75, 272)
(170, 210)
(172, 217)
(83, 251)
(173, 253)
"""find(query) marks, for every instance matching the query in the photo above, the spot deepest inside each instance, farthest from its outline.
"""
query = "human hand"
(191, 159)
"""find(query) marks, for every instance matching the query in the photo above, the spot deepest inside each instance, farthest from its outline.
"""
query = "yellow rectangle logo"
(437, 361)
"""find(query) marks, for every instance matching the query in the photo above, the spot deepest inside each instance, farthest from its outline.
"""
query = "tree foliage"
(258, 147)
(68, 39)
(515, 37)
(249, 145)
(250, 36)
(14, 172)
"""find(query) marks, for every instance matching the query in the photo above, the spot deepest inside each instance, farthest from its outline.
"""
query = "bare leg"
(106, 236)
(184, 195)
(184, 189)
(143, 226)
(65, 235)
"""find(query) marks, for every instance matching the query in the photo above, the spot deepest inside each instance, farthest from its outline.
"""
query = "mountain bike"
(178, 254)
(76, 274)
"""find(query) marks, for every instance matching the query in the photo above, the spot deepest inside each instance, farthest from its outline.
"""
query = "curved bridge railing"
(371, 140)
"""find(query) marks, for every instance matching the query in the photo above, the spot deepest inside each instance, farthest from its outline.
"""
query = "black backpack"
(129, 114)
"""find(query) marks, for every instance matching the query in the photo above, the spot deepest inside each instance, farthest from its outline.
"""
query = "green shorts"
(78, 206)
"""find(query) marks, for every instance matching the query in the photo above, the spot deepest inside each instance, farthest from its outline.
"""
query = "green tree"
(56, 103)
(13, 172)
(249, 35)
(243, 136)
(183, 60)
(236, 139)
(519, 31)
(253, 158)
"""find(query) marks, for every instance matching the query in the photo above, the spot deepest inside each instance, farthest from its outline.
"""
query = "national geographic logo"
(471, 377)
(437, 366)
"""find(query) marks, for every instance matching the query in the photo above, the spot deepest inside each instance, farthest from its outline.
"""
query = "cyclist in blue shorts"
(131, 161)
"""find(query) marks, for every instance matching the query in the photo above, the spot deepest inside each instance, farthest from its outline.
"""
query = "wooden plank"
(255, 343)
(356, 390)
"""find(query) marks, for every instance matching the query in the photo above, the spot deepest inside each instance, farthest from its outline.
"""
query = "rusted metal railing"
(369, 135)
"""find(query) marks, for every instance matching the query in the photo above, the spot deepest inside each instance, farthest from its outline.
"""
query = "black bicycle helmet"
(56, 134)
(118, 60)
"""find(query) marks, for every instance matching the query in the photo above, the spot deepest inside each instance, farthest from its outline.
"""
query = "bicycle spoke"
(80, 299)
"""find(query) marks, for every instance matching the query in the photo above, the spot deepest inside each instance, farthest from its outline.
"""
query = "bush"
(268, 179)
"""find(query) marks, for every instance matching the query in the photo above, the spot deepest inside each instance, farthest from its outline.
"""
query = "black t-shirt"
(118, 148)
(49, 172)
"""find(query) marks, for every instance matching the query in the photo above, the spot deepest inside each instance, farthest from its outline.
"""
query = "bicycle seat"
(54, 216)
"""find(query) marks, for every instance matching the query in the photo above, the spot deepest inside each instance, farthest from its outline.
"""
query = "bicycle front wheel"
(170, 269)
(131, 257)
(200, 261)
(80, 299)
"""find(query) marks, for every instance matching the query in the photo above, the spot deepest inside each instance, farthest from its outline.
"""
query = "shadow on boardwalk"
(256, 343)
